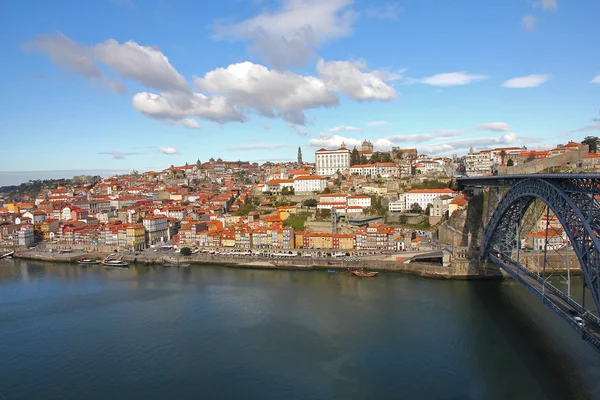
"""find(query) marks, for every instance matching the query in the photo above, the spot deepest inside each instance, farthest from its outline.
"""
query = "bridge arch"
(576, 214)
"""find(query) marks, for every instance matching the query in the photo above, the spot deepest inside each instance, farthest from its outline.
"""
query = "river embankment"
(458, 270)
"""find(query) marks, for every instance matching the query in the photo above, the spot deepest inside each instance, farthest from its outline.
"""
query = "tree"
(428, 209)
(326, 191)
(510, 162)
(310, 203)
(186, 251)
(530, 157)
(416, 207)
(592, 142)
(354, 157)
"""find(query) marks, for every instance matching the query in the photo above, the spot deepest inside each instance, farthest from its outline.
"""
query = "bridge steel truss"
(573, 198)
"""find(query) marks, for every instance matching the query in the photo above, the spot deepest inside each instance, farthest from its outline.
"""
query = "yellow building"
(298, 239)
(345, 241)
(136, 237)
(285, 211)
(318, 240)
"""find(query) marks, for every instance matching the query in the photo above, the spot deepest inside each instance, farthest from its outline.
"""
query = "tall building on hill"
(299, 155)
(329, 162)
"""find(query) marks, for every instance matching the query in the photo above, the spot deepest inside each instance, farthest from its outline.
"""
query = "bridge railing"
(547, 285)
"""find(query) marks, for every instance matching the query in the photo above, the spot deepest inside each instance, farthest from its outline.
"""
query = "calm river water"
(69, 332)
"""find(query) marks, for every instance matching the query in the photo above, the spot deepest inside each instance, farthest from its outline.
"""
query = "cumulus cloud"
(452, 79)
(528, 22)
(176, 108)
(258, 147)
(190, 123)
(270, 93)
(494, 126)
(118, 155)
(596, 79)
(348, 77)
(290, 35)
(231, 92)
(377, 123)
(327, 140)
(73, 57)
(387, 11)
(345, 129)
(528, 81)
(168, 150)
(143, 64)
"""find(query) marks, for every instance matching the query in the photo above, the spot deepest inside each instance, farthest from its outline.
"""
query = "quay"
(464, 269)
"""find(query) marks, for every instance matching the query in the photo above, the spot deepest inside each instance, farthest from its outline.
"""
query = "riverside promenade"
(400, 262)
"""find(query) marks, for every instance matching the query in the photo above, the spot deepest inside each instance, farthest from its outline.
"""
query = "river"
(70, 332)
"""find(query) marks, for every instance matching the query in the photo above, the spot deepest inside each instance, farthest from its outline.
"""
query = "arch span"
(577, 212)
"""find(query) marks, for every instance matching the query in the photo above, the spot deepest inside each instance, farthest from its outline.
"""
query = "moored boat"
(86, 261)
(364, 274)
(115, 263)
(331, 271)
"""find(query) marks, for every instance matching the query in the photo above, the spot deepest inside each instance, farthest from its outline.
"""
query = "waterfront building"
(157, 228)
(26, 235)
(136, 237)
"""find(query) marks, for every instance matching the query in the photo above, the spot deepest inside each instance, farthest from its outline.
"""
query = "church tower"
(299, 155)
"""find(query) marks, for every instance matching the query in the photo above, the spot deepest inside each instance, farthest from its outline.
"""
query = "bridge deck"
(556, 300)
(509, 180)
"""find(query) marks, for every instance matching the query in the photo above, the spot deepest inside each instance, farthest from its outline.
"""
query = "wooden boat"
(86, 261)
(364, 274)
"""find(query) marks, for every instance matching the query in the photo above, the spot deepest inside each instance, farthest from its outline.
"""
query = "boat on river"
(115, 263)
(87, 261)
(362, 273)
(331, 271)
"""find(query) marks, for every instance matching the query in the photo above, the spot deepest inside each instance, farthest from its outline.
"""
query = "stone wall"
(569, 159)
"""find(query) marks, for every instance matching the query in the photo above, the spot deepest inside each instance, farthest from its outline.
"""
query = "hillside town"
(347, 200)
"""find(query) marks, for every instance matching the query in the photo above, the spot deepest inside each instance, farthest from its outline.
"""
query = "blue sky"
(121, 84)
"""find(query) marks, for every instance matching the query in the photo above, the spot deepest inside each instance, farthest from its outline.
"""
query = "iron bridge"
(575, 201)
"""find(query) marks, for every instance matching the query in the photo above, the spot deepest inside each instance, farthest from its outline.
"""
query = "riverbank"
(459, 270)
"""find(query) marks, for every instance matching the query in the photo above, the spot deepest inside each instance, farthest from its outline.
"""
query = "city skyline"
(120, 85)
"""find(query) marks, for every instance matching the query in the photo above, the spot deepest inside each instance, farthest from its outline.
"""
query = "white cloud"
(387, 11)
(345, 129)
(327, 140)
(144, 64)
(258, 147)
(547, 5)
(423, 137)
(168, 150)
(528, 81)
(75, 58)
(507, 138)
(290, 35)
(271, 93)
(452, 79)
(449, 132)
(494, 126)
(377, 123)
(348, 77)
(190, 123)
(175, 108)
(596, 79)
(299, 132)
(528, 22)
(119, 155)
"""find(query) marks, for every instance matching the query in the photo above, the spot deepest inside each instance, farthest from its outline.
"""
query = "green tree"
(310, 203)
(354, 157)
(186, 251)
(510, 162)
(326, 190)
(592, 142)
(416, 207)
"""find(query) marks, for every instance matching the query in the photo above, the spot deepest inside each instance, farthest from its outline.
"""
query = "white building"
(309, 183)
(478, 164)
(398, 205)
(157, 228)
(359, 201)
(423, 197)
(25, 235)
(441, 206)
(329, 162)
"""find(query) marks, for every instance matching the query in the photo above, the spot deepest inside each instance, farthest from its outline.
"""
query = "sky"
(116, 85)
